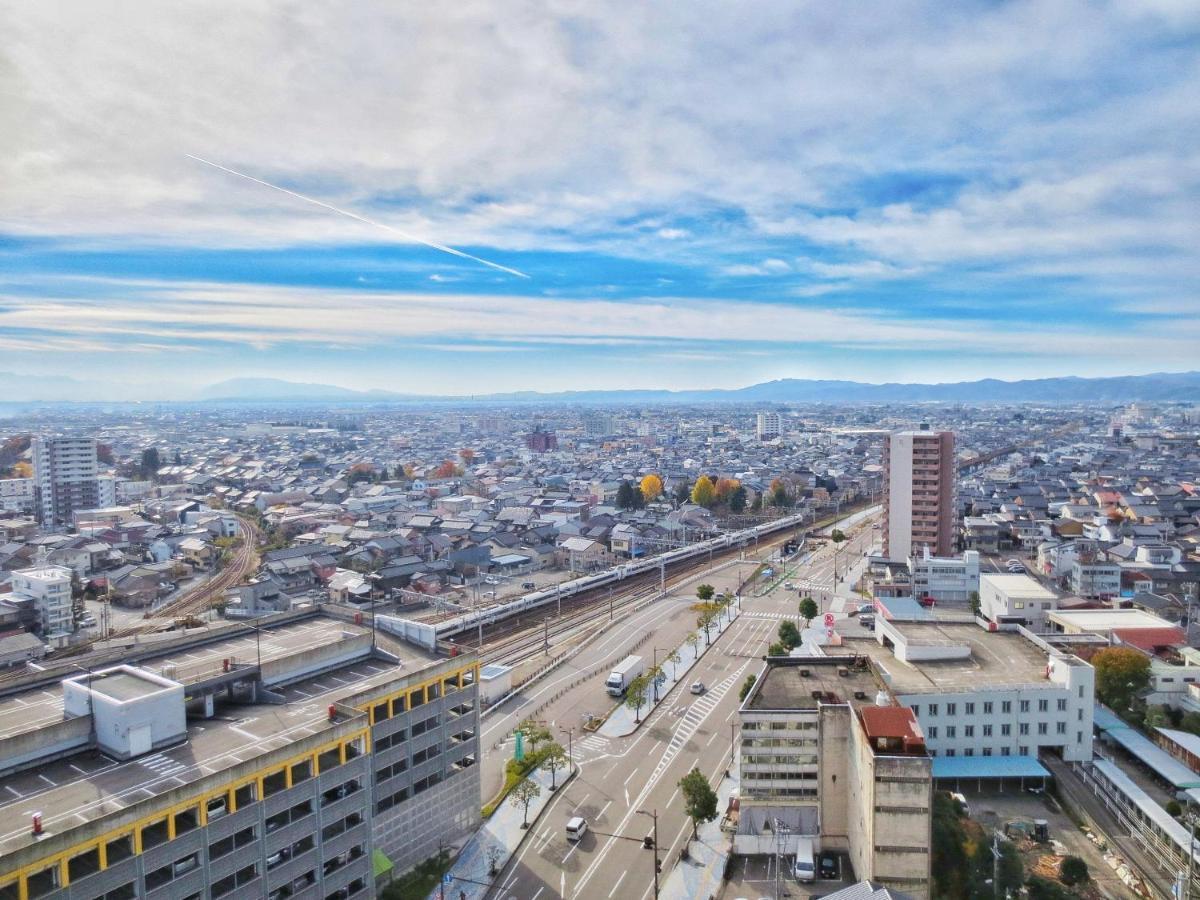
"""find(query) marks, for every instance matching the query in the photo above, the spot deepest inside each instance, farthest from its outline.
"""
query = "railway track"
(517, 639)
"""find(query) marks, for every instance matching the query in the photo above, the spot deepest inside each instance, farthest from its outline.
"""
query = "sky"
(701, 194)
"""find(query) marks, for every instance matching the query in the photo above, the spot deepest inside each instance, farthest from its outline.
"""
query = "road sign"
(829, 620)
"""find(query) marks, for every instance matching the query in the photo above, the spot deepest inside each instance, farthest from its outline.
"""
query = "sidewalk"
(702, 874)
(469, 874)
(620, 722)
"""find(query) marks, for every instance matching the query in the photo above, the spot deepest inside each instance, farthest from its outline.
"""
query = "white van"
(576, 828)
(961, 801)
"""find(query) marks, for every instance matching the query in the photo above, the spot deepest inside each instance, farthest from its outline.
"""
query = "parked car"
(529, 585)
(829, 867)
(866, 609)
(866, 621)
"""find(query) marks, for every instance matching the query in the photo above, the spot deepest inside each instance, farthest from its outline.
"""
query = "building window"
(1061, 727)
(933, 732)
(969, 731)
(1005, 751)
(949, 752)
(1041, 727)
(970, 709)
(951, 709)
(1043, 705)
(987, 730)
(1006, 706)
(987, 751)
(987, 707)
(950, 731)
(1023, 728)
(1024, 706)
(933, 709)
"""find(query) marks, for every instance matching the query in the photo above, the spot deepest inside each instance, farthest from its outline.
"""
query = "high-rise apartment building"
(65, 471)
(769, 426)
(918, 493)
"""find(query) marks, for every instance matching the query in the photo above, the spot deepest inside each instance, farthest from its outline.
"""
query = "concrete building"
(945, 580)
(235, 772)
(65, 478)
(47, 590)
(918, 492)
(541, 441)
(827, 754)
(985, 693)
(598, 425)
(769, 426)
(1015, 600)
(16, 495)
(1095, 578)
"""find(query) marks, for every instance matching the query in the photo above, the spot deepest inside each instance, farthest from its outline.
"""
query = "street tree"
(652, 487)
(809, 610)
(973, 598)
(705, 592)
(704, 492)
(655, 676)
(522, 795)
(705, 622)
(1121, 675)
(700, 800)
(554, 757)
(674, 659)
(535, 732)
(777, 649)
(747, 686)
(635, 695)
(789, 634)
(693, 641)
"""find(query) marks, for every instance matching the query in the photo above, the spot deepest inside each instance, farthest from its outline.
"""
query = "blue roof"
(1167, 767)
(1143, 801)
(988, 767)
(1104, 718)
(904, 608)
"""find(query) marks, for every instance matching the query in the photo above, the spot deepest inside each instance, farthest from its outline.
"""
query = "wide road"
(620, 779)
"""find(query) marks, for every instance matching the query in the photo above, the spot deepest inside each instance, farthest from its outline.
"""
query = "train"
(614, 575)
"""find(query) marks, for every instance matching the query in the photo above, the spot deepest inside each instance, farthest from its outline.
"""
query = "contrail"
(364, 219)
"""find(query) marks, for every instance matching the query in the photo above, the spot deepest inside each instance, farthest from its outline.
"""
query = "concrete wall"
(345, 649)
(31, 748)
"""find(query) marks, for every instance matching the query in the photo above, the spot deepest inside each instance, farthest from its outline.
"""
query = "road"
(620, 778)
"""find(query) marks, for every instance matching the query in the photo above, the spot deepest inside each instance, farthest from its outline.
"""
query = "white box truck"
(805, 868)
(618, 679)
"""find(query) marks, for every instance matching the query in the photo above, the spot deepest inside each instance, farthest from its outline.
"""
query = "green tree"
(674, 659)
(737, 500)
(625, 496)
(974, 598)
(1073, 871)
(681, 493)
(837, 535)
(150, 463)
(635, 695)
(777, 649)
(1174, 810)
(747, 686)
(789, 634)
(700, 800)
(779, 494)
(554, 757)
(535, 732)
(809, 610)
(522, 795)
(654, 675)
(1121, 675)
(705, 592)
(704, 492)
(1045, 889)
(1190, 722)
(1012, 872)
(693, 641)
(1156, 717)
(948, 850)
(704, 621)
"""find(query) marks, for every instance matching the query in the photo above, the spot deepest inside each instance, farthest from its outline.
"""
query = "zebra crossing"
(692, 721)
(592, 747)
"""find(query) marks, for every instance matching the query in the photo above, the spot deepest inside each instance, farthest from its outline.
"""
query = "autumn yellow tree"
(725, 488)
(704, 493)
(22, 470)
(652, 487)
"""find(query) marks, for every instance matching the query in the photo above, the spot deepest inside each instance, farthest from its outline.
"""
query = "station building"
(291, 760)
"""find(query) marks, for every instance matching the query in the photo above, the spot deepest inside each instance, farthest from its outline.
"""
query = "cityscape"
(595, 452)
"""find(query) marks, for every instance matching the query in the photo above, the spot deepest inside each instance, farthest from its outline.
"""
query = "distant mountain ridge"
(1162, 386)
(1070, 389)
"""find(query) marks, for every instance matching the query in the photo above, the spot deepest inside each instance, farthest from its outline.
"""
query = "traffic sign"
(829, 620)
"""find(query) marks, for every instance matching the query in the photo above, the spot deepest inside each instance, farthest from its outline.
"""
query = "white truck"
(619, 678)
(805, 868)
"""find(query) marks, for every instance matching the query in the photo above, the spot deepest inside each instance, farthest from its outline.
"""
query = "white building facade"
(65, 472)
(945, 579)
(48, 590)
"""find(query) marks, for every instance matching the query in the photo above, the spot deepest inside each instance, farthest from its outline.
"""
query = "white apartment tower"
(918, 493)
(65, 479)
(769, 426)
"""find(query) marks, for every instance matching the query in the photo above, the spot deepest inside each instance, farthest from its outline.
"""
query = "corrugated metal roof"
(988, 767)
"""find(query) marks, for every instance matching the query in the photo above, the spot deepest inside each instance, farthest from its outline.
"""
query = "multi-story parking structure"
(285, 761)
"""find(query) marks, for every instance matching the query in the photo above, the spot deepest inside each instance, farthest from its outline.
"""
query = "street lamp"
(654, 845)
(570, 752)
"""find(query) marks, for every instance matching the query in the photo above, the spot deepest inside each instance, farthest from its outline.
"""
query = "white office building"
(1015, 600)
(1095, 579)
(986, 693)
(945, 579)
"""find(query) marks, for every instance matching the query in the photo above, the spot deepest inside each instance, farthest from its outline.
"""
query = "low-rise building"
(1015, 600)
(944, 580)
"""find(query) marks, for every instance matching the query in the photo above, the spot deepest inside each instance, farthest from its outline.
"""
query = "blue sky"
(702, 196)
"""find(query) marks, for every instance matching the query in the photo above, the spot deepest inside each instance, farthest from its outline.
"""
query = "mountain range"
(1163, 386)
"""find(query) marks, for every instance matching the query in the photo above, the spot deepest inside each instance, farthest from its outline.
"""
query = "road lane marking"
(618, 884)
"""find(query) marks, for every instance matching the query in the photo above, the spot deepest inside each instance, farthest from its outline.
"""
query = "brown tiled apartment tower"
(918, 493)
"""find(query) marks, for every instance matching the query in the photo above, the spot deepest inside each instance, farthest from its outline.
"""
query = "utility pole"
(610, 603)
(654, 841)
(546, 635)
(570, 751)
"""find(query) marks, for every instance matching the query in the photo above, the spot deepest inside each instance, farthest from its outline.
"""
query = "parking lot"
(753, 877)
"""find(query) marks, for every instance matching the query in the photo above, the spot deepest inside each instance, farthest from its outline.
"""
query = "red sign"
(829, 620)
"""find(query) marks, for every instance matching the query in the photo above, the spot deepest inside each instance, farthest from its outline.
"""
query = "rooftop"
(805, 683)
(1105, 620)
(1021, 586)
(995, 658)
(122, 685)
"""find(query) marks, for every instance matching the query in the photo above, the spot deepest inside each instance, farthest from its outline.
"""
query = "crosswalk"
(692, 720)
(592, 747)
